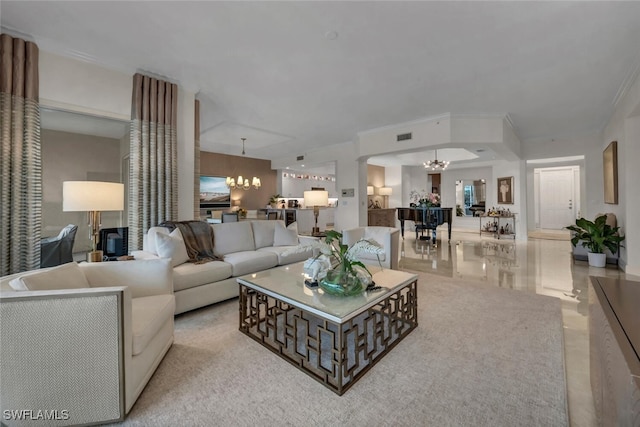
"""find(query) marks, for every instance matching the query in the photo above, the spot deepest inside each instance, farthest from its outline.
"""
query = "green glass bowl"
(341, 284)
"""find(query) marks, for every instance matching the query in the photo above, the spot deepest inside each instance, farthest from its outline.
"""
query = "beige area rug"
(550, 234)
(480, 356)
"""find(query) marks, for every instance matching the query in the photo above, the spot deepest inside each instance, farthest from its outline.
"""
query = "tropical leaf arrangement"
(342, 256)
(596, 235)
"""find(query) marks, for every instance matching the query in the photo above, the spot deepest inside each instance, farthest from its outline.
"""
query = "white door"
(557, 202)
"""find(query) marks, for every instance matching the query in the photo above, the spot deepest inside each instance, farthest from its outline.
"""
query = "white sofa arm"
(63, 351)
(144, 278)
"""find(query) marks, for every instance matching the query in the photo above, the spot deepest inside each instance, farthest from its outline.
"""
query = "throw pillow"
(172, 246)
(65, 276)
(284, 237)
(293, 226)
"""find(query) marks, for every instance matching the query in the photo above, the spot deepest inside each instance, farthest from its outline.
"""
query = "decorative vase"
(597, 260)
(340, 281)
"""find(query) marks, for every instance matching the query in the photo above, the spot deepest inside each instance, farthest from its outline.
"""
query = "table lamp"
(386, 192)
(316, 198)
(92, 197)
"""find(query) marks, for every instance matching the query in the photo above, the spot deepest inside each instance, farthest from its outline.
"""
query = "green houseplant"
(347, 275)
(596, 236)
(273, 200)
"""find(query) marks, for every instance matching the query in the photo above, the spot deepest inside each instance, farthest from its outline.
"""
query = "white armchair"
(387, 237)
(86, 352)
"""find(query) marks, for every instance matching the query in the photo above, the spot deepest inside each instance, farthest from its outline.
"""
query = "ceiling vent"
(300, 158)
(404, 137)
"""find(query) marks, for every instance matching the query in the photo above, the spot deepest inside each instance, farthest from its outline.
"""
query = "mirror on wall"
(470, 197)
(79, 147)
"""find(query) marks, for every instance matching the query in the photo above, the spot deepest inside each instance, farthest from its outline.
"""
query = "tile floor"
(541, 266)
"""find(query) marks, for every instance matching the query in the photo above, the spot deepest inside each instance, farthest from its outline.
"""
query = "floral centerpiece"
(344, 274)
(422, 198)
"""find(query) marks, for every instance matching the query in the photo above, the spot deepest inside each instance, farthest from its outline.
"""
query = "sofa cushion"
(290, 258)
(284, 237)
(233, 237)
(65, 276)
(148, 315)
(250, 261)
(172, 246)
(263, 231)
(190, 275)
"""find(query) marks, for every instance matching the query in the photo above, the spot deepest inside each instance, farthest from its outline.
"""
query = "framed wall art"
(505, 190)
(610, 169)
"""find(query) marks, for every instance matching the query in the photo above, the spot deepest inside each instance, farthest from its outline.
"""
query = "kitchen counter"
(306, 219)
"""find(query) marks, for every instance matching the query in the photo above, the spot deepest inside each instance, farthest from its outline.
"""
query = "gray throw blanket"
(198, 239)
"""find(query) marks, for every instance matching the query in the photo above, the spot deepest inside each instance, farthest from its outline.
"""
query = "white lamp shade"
(92, 196)
(384, 191)
(316, 198)
(369, 190)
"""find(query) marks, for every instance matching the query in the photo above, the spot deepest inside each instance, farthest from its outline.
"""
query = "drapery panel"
(196, 162)
(153, 170)
(21, 159)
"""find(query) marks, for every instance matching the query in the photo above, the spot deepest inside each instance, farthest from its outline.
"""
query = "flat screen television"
(214, 192)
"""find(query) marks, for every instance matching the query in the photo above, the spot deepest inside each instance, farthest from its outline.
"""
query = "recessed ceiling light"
(331, 35)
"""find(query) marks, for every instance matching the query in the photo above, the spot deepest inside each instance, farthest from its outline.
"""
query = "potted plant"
(343, 273)
(596, 236)
(273, 201)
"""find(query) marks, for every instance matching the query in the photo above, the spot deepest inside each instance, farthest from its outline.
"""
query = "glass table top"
(286, 283)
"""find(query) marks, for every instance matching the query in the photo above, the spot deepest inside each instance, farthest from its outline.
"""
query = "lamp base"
(315, 230)
(94, 256)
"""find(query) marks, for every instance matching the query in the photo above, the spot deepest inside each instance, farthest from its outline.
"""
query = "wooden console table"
(382, 217)
(614, 348)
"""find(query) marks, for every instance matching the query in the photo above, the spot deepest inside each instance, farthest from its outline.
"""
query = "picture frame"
(610, 171)
(505, 190)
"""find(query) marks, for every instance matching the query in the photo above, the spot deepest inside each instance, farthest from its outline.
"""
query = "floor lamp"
(316, 198)
(92, 197)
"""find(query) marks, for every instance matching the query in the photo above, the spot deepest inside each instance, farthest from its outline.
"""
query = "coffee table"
(335, 340)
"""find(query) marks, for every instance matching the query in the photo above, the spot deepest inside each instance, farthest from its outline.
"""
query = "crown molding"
(627, 83)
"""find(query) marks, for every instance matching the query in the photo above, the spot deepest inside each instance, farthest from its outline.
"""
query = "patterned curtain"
(153, 171)
(20, 161)
(196, 163)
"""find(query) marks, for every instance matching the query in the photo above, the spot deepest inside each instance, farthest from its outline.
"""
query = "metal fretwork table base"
(335, 354)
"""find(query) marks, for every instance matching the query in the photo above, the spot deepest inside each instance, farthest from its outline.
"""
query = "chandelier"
(243, 183)
(436, 164)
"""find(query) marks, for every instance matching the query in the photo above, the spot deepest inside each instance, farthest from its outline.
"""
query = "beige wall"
(74, 157)
(216, 164)
(375, 177)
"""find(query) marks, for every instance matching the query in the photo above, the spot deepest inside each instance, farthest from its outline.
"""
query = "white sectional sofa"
(83, 339)
(245, 247)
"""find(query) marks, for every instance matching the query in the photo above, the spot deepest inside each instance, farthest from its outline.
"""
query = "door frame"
(577, 205)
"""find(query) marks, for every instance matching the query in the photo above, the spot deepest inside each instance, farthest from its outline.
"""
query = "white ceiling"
(274, 73)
